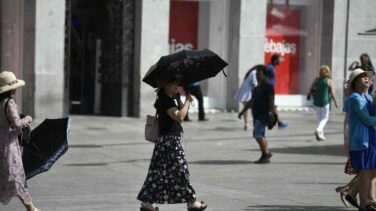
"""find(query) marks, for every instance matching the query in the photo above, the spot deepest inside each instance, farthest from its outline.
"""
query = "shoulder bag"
(152, 128)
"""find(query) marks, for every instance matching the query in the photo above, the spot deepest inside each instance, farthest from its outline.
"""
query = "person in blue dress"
(362, 142)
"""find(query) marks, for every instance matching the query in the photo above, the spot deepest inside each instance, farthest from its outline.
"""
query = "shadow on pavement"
(220, 162)
(247, 136)
(106, 163)
(293, 207)
(247, 162)
(334, 150)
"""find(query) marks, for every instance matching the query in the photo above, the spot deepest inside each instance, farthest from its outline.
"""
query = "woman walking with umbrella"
(168, 176)
(12, 175)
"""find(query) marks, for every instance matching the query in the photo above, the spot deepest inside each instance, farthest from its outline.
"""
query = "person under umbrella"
(168, 176)
(192, 65)
(12, 175)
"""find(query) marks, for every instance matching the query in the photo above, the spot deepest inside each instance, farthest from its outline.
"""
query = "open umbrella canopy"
(192, 65)
(49, 141)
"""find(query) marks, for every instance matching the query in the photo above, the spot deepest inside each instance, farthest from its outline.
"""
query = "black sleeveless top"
(166, 124)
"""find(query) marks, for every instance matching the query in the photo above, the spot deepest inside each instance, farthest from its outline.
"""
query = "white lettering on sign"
(280, 47)
(175, 47)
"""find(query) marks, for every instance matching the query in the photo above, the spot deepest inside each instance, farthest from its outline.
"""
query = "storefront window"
(292, 31)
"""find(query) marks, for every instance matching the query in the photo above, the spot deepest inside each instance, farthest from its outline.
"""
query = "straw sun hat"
(355, 73)
(8, 81)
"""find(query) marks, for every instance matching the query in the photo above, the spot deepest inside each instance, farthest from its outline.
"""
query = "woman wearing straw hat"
(362, 137)
(12, 175)
(168, 176)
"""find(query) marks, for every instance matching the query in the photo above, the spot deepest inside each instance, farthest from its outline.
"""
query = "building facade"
(85, 57)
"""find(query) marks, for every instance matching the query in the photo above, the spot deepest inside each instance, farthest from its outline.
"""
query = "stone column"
(152, 24)
(245, 42)
(11, 40)
(218, 39)
(339, 63)
(49, 59)
(28, 64)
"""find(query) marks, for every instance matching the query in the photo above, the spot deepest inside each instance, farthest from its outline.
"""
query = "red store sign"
(283, 38)
(183, 25)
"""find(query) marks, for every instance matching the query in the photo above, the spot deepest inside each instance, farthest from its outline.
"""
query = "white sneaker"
(319, 136)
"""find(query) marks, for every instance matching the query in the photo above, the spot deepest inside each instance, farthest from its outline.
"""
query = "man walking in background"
(195, 90)
(270, 74)
(263, 111)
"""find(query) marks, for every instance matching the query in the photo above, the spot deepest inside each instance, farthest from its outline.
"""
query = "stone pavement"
(108, 159)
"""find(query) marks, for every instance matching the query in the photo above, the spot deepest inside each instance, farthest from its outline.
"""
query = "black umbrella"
(193, 65)
(49, 141)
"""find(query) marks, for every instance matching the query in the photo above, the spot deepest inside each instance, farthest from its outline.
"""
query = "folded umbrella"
(192, 65)
(48, 142)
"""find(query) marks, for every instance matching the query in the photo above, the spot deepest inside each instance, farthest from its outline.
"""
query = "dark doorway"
(101, 57)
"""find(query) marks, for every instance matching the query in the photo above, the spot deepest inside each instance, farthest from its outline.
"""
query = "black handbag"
(24, 136)
(272, 120)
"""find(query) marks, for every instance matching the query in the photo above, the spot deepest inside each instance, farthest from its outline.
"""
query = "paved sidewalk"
(108, 159)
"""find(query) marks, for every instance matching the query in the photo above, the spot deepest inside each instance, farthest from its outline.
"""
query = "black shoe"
(203, 120)
(371, 207)
(265, 158)
(352, 200)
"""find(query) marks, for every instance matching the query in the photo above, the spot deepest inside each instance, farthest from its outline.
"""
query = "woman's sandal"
(352, 201)
(31, 207)
(148, 207)
(198, 206)
(345, 197)
(342, 191)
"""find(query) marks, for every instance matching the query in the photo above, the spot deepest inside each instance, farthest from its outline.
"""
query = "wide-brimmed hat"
(355, 73)
(8, 81)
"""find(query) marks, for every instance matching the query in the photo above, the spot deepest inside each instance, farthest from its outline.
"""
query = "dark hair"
(275, 57)
(173, 79)
(353, 83)
(5, 95)
(355, 79)
(369, 66)
(251, 69)
(261, 68)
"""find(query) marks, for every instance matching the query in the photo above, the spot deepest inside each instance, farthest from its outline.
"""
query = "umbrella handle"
(224, 73)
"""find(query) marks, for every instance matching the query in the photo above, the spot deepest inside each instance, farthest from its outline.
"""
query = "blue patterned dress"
(366, 158)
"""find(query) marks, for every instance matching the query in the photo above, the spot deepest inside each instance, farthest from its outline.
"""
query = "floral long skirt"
(12, 175)
(168, 176)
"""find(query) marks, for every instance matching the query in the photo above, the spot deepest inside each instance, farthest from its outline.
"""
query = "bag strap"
(6, 109)
(156, 97)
